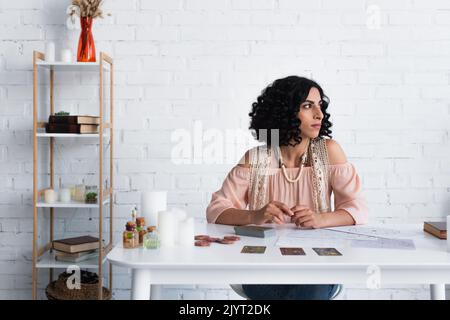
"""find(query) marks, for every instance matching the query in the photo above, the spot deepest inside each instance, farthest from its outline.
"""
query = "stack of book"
(76, 249)
(437, 228)
(72, 124)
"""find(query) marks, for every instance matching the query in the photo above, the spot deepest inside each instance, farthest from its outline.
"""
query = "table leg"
(140, 284)
(155, 292)
(437, 291)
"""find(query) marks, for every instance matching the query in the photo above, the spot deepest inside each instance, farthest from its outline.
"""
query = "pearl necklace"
(303, 161)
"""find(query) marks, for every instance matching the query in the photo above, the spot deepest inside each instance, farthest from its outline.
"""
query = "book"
(437, 229)
(76, 257)
(254, 231)
(73, 255)
(77, 244)
(70, 128)
(75, 119)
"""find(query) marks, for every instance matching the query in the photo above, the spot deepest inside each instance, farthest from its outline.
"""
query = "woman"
(291, 177)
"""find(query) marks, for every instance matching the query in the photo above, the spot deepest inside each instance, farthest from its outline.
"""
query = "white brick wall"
(180, 61)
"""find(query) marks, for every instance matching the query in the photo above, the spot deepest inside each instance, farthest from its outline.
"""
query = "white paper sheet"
(355, 236)
(325, 234)
(374, 232)
(284, 241)
(384, 243)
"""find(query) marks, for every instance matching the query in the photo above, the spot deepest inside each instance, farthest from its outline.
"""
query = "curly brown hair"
(277, 108)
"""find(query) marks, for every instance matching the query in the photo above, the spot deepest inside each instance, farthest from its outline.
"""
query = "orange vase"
(86, 47)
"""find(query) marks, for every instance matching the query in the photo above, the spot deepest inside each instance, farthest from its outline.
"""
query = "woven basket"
(58, 290)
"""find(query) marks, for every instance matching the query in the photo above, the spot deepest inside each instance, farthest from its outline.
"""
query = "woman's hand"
(274, 211)
(307, 218)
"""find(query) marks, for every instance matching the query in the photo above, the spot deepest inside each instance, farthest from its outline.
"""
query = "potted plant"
(62, 113)
(91, 197)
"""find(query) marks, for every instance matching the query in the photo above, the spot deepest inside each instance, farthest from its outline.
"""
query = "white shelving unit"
(43, 257)
(71, 204)
(48, 261)
(69, 135)
(73, 66)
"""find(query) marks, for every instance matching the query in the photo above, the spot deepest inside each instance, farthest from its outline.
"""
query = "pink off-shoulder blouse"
(344, 183)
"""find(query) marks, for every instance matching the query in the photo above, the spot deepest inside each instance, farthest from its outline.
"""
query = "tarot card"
(253, 249)
(292, 251)
(327, 252)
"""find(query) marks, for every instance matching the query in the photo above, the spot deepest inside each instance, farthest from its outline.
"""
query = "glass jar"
(140, 222)
(71, 187)
(142, 232)
(151, 238)
(80, 190)
(130, 236)
(140, 225)
(128, 239)
(91, 193)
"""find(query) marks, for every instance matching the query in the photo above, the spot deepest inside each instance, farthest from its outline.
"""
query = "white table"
(224, 264)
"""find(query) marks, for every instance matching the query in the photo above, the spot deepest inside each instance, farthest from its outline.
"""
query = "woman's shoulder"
(247, 158)
(335, 153)
(244, 162)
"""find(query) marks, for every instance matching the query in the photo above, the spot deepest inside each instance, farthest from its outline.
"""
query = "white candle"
(50, 51)
(448, 238)
(166, 228)
(151, 203)
(66, 55)
(186, 232)
(50, 196)
(179, 215)
(64, 195)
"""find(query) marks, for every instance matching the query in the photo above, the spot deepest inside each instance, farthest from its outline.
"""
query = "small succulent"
(91, 197)
(62, 113)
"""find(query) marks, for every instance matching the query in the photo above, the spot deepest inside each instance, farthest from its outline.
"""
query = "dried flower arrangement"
(82, 9)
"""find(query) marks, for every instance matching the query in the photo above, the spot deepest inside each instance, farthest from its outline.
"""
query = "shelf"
(47, 260)
(42, 134)
(73, 66)
(70, 135)
(71, 204)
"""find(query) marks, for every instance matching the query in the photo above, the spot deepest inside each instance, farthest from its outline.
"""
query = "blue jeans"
(290, 291)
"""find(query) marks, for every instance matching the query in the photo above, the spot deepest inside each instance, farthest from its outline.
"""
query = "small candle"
(186, 232)
(166, 226)
(64, 195)
(151, 203)
(50, 51)
(50, 196)
(180, 215)
(66, 55)
(448, 238)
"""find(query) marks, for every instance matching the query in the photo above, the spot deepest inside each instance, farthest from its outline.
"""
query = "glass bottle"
(140, 224)
(130, 236)
(151, 238)
(91, 193)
